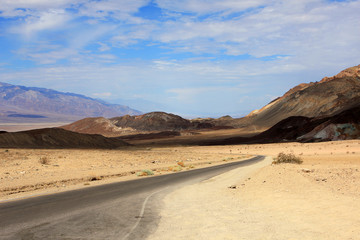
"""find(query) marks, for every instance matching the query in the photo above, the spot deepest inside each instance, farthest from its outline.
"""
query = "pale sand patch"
(275, 202)
(205, 210)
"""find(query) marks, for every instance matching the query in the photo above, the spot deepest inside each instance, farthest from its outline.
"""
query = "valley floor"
(27, 172)
(319, 199)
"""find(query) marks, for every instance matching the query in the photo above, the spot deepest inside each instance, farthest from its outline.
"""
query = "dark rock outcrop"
(342, 126)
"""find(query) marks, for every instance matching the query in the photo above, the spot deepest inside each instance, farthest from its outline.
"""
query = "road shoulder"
(205, 210)
(266, 201)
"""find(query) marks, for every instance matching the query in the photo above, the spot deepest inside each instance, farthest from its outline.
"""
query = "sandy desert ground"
(319, 199)
(36, 171)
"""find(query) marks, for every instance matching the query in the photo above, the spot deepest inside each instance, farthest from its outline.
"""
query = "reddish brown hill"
(158, 121)
(154, 121)
(57, 138)
(129, 125)
(98, 125)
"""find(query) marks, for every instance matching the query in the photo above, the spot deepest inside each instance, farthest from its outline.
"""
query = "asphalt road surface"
(123, 210)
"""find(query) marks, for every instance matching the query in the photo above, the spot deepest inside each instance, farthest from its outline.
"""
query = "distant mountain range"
(330, 98)
(30, 104)
(319, 111)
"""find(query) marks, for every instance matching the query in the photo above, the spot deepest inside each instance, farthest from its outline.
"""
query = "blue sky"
(189, 57)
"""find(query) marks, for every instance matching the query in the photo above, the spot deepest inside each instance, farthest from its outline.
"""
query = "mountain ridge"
(327, 97)
(53, 105)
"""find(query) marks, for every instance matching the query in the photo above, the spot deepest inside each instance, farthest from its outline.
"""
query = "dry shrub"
(44, 160)
(145, 172)
(175, 168)
(94, 177)
(181, 164)
(190, 167)
(287, 158)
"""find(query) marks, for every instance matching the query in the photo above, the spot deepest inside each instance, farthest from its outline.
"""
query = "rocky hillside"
(98, 125)
(154, 121)
(328, 97)
(342, 126)
(57, 138)
(149, 122)
(24, 104)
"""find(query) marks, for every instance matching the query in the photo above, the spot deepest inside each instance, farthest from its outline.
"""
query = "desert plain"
(318, 199)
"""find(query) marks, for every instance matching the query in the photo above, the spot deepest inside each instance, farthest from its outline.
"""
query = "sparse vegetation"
(190, 167)
(181, 164)
(94, 177)
(44, 160)
(145, 172)
(175, 168)
(287, 158)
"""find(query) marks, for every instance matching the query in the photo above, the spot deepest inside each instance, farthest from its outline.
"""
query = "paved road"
(124, 210)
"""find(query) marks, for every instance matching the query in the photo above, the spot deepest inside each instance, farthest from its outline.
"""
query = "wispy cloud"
(48, 20)
(102, 95)
(201, 7)
(182, 55)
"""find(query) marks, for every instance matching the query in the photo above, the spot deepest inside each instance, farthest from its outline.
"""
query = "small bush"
(44, 160)
(145, 172)
(190, 167)
(94, 177)
(175, 168)
(287, 158)
(181, 164)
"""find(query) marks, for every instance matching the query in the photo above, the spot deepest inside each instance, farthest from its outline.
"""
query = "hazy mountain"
(24, 104)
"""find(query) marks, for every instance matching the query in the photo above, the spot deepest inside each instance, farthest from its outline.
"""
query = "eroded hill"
(328, 97)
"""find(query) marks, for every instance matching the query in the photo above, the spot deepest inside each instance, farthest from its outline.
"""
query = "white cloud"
(183, 86)
(48, 57)
(286, 41)
(125, 36)
(49, 20)
(103, 47)
(209, 6)
(305, 30)
(117, 9)
(102, 95)
(15, 8)
(309, 31)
